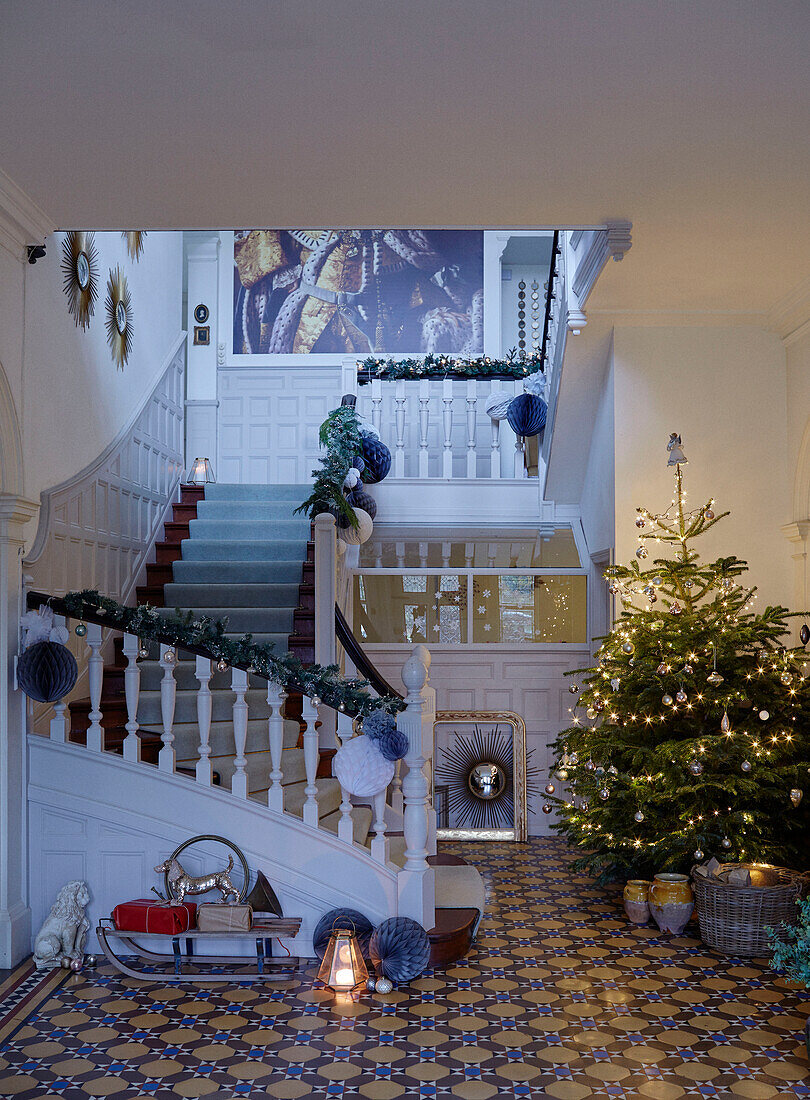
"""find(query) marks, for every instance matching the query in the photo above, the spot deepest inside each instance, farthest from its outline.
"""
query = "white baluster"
(204, 670)
(59, 724)
(132, 692)
(380, 843)
(447, 423)
(495, 442)
(345, 823)
(275, 733)
(472, 427)
(424, 423)
(376, 403)
(239, 685)
(95, 675)
(309, 713)
(168, 694)
(396, 790)
(399, 421)
(415, 881)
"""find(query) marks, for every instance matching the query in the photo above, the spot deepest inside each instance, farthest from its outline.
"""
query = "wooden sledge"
(263, 933)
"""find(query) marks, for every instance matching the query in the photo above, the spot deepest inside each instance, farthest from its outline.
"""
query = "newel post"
(416, 879)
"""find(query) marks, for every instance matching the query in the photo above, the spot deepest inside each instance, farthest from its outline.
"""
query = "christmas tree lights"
(689, 738)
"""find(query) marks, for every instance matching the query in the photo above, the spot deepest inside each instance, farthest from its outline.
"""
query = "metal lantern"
(343, 969)
(201, 472)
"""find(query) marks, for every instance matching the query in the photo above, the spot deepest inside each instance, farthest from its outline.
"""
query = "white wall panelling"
(269, 421)
(529, 680)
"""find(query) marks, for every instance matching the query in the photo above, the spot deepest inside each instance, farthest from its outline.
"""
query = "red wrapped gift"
(150, 915)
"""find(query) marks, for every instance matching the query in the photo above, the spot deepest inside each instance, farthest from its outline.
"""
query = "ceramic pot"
(671, 902)
(636, 905)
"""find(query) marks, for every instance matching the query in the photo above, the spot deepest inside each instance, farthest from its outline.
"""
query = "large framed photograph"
(480, 776)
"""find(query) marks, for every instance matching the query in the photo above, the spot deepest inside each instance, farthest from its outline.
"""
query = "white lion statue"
(65, 928)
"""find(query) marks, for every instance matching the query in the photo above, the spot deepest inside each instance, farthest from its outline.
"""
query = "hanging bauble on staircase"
(527, 414)
(497, 404)
(359, 499)
(360, 767)
(377, 458)
(47, 671)
(356, 536)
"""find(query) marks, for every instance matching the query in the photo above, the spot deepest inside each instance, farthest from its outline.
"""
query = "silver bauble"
(75, 965)
(591, 712)
(640, 523)
(796, 796)
(573, 759)
(599, 770)
(680, 697)
(90, 961)
(786, 678)
(370, 985)
(725, 723)
(573, 689)
(143, 652)
(169, 657)
(599, 706)
(764, 715)
(666, 700)
(628, 647)
(675, 608)
(688, 670)
(547, 808)
(641, 552)
(714, 678)
(708, 513)
(550, 788)
(562, 774)
(745, 766)
(589, 765)
(613, 770)
(585, 806)
(698, 853)
(657, 581)
(662, 668)
(725, 842)
(222, 665)
(604, 794)
(638, 816)
(695, 767)
(384, 985)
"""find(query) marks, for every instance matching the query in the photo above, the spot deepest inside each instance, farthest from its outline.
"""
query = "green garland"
(187, 631)
(515, 365)
(339, 436)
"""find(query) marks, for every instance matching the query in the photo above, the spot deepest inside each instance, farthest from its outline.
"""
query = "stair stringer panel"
(96, 817)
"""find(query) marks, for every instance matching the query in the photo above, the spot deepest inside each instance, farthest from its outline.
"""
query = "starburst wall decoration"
(80, 271)
(118, 307)
(135, 239)
(479, 775)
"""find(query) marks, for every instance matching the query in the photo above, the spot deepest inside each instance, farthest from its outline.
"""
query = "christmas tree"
(690, 737)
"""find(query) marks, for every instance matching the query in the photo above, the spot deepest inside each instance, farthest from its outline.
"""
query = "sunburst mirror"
(135, 240)
(118, 307)
(483, 777)
(80, 272)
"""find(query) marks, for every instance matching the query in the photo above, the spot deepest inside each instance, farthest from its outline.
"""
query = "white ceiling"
(689, 118)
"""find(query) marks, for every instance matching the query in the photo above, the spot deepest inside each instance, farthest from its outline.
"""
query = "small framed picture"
(202, 335)
(201, 314)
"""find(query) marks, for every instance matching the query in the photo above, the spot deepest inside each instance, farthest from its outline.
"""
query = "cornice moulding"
(21, 220)
(790, 317)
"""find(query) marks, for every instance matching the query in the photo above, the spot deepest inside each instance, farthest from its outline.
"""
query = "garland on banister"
(515, 365)
(185, 629)
(339, 436)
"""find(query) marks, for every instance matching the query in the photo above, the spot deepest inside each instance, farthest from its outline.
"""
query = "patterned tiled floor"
(560, 997)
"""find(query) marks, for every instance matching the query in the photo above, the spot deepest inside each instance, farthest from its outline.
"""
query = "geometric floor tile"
(560, 997)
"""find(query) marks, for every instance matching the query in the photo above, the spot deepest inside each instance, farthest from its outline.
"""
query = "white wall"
(598, 502)
(798, 418)
(73, 400)
(723, 389)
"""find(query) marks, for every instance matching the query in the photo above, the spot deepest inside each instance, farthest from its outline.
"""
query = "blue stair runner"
(243, 561)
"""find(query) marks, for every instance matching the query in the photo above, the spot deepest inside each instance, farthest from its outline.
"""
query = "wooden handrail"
(359, 658)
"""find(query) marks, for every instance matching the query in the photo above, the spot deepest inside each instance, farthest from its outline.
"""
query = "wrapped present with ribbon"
(158, 917)
(215, 917)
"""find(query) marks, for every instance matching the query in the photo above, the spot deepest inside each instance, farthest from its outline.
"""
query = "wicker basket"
(733, 918)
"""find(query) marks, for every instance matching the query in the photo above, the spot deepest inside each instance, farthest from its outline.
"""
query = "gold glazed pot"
(671, 902)
(635, 900)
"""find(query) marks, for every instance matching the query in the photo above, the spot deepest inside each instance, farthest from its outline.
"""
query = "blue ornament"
(47, 671)
(393, 745)
(358, 499)
(359, 463)
(527, 414)
(399, 949)
(379, 724)
(377, 458)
